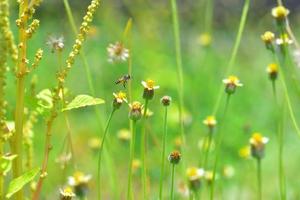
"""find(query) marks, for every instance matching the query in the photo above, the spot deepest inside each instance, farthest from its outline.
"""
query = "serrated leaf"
(6, 163)
(18, 183)
(83, 101)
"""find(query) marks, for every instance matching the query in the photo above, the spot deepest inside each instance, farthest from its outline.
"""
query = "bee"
(123, 80)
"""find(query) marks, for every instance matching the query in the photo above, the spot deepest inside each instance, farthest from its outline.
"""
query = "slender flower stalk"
(132, 145)
(143, 151)
(172, 182)
(100, 153)
(259, 186)
(166, 102)
(179, 66)
(218, 149)
(234, 51)
(174, 158)
(135, 114)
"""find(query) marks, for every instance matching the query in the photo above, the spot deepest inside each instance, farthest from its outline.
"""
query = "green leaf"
(45, 99)
(83, 101)
(18, 183)
(6, 163)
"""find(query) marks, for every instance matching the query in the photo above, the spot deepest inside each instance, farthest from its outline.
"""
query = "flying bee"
(123, 80)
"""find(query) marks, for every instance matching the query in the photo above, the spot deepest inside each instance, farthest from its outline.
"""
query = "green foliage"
(18, 183)
(83, 101)
(6, 163)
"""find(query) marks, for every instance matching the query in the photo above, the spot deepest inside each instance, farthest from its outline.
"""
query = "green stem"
(218, 149)
(132, 145)
(179, 66)
(100, 153)
(19, 114)
(234, 51)
(143, 152)
(280, 155)
(208, 16)
(163, 154)
(172, 182)
(286, 94)
(209, 139)
(259, 186)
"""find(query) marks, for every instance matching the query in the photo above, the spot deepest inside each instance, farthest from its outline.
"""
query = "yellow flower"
(178, 142)
(136, 164)
(231, 83)
(210, 121)
(135, 112)
(257, 139)
(233, 80)
(272, 70)
(257, 142)
(245, 152)
(228, 171)
(280, 12)
(78, 178)
(124, 135)
(120, 97)
(284, 40)
(209, 176)
(149, 84)
(268, 37)
(66, 193)
(205, 39)
(94, 143)
(194, 173)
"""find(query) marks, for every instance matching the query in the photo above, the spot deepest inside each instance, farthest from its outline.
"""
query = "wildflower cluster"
(258, 142)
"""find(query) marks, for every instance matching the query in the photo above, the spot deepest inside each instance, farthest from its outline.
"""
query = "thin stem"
(19, 114)
(259, 186)
(209, 139)
(218, 149)
(208, 16)
(132, 145)
(179, 66)
(143, 151)
(172, 182)
(234, 51)
(163, 155)
(286, 94)
(100, 153)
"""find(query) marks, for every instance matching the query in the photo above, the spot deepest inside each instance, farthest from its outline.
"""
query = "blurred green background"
(251, 108)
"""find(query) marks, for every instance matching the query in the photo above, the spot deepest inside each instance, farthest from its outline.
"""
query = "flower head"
(268, 37)
(284, 40)
(119, 99)
(205, 39)
(94, 143)
(195, 175)
(231, 83)
(210, 121)
(124, 135)
(66, 193)
(174, 157)
(228, 171)
(117, 52)
(166, 100)
(135, 112)
(280, 12)
(80, 182)
(245, 152)
(149, 87)
(209, 176)
(136, 164)
(56, 43)
(272, 70)
(257, 142)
